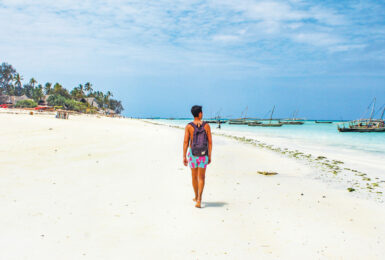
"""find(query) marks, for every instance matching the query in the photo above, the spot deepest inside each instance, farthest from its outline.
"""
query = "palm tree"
(47, 88)
(40, 93)
(18, 88)
(81, 88)
(76, 93)
(18, 78)
(88, 88)
(59, 90)
(37, 93)
(32, 81)
(106, 100)
(99, 98)
(10, 88)
(57, 87)
(109, 94)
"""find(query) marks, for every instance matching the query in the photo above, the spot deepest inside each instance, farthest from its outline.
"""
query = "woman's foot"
(198, 204)
(194, 199)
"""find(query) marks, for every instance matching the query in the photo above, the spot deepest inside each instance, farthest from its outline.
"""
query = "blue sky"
(324, 58)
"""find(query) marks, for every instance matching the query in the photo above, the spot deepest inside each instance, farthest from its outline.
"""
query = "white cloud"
(341, 48)
(225, 38)
(316, 39)
(139, 33)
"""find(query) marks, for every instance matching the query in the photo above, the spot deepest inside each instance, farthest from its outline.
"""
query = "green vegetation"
(26, 103)
(82, 98)
(71, 104)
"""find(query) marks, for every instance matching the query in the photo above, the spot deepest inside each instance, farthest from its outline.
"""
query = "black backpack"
(199, 146)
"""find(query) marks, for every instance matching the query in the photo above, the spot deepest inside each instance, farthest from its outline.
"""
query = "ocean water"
(309, 134)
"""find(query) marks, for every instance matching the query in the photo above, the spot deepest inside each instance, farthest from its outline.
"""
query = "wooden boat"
(240, 121)
(365, 125)
(254, 123)
(323, 122)
(293, 120)
(217, 121)
(270, 124)
(361, 130)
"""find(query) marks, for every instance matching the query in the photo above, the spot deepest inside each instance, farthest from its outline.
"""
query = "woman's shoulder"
(189, 126)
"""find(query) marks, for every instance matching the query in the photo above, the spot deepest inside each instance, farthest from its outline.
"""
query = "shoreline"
(107, 188)
(329, 166)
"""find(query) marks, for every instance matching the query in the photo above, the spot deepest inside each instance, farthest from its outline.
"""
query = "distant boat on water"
(254, 123)
(215, 121)
(270, 124)
(365, 125)
(323, 122)
(293, 120)
(240, 121)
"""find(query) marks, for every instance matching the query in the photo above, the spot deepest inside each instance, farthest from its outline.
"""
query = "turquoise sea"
(310, 134)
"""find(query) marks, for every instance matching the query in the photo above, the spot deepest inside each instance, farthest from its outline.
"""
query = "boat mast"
(383, 110)
(246, 112)
(219, 114)
(371, 115)
(295, 115)
(271, 115)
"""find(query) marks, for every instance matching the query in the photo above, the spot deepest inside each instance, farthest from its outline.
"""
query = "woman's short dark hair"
(195, 110)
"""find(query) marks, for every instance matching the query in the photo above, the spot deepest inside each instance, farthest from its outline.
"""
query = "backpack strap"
(193, 125)
(196, 127)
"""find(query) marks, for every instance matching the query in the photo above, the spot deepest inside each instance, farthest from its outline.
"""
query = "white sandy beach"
(104, 188)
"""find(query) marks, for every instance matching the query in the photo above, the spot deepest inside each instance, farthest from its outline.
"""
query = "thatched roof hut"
(5, 99)
(12, 100)
(44, 100)
(20, 98)
(92, 102)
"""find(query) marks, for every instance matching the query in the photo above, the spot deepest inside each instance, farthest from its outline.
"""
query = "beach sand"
(111, 188)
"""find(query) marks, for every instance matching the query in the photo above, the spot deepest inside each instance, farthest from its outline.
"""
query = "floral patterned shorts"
(197, 161)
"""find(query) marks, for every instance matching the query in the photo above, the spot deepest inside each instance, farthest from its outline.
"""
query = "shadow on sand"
(214, 204)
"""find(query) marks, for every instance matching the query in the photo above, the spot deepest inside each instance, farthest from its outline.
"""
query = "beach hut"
(15, 99)
(12, 100)
(5, 99)
(91, 101)
(43, 101)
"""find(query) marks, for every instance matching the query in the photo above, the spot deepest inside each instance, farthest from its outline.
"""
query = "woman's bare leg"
(194, 175)
(201, 185)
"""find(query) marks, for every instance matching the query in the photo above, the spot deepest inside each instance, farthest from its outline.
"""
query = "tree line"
(11, 85)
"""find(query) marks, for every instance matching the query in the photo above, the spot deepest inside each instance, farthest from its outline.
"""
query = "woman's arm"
(209, 137)
(185, 144)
